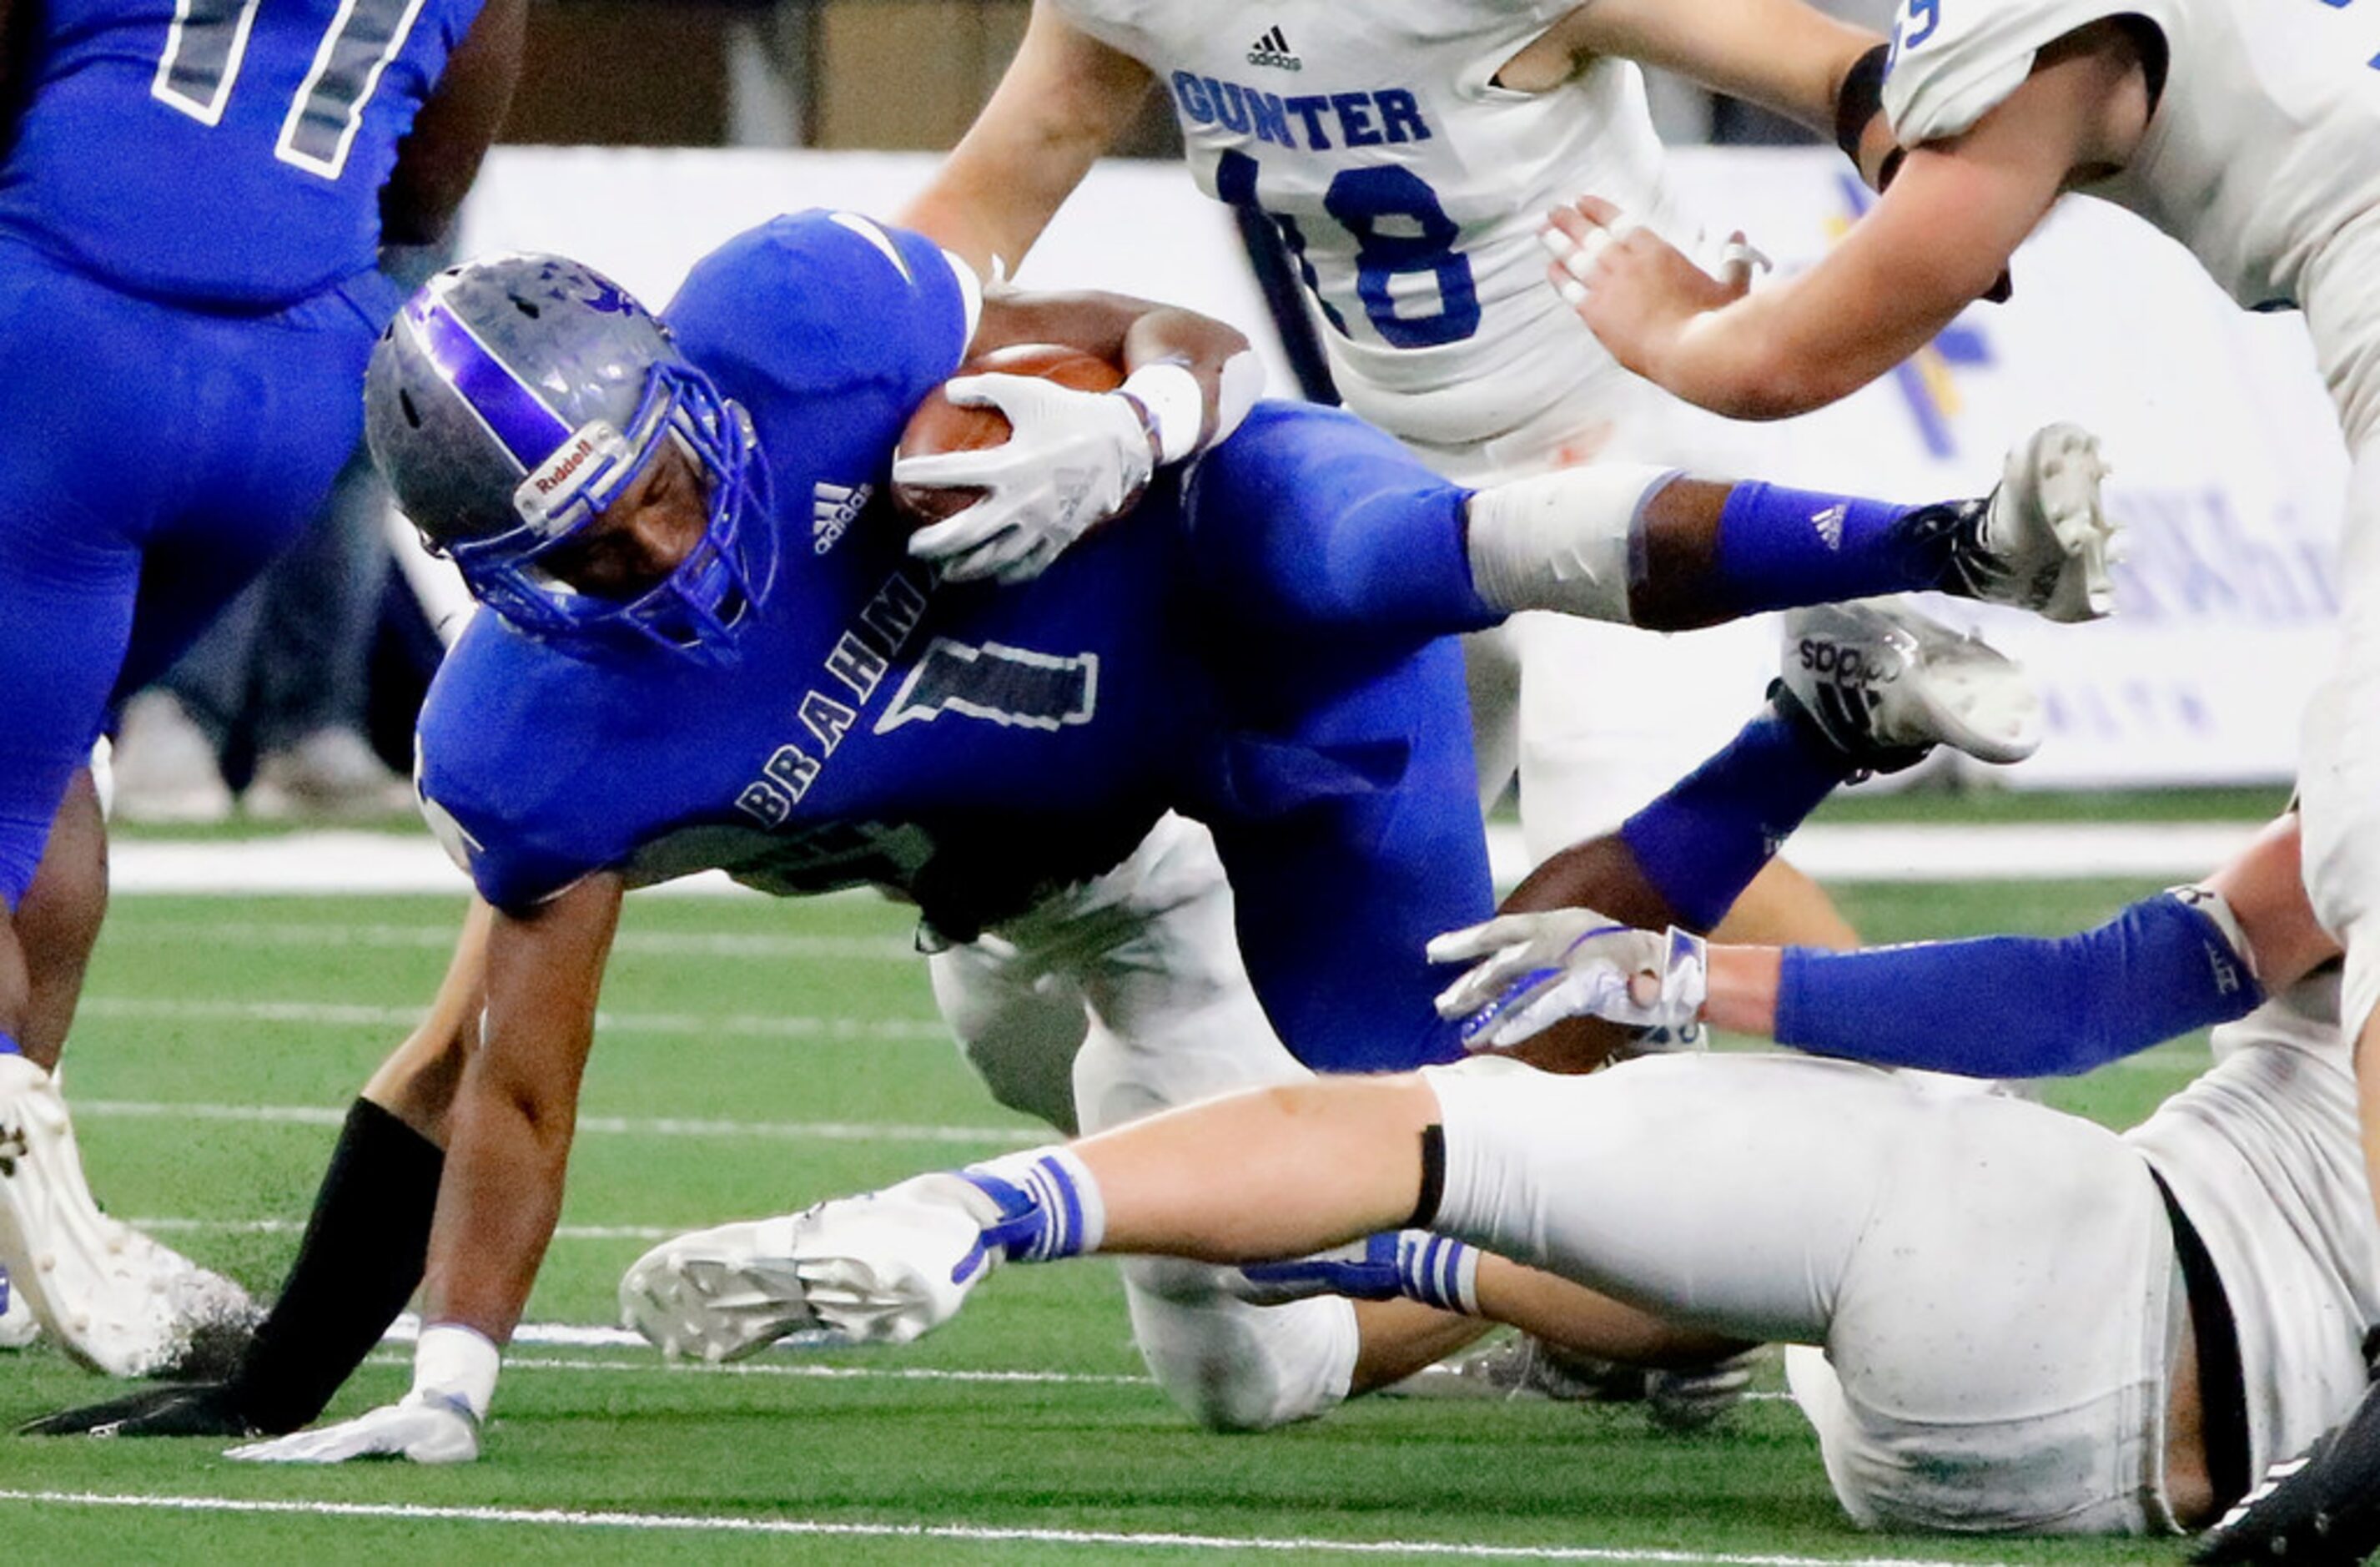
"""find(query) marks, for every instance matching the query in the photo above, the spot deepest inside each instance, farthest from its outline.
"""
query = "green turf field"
(756, 1056)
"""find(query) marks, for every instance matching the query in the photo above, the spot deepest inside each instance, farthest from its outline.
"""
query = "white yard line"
(683, 1523)
(316, 1015)
(610, 1125)
(560, 1335)
(381, 862)
(325, 935)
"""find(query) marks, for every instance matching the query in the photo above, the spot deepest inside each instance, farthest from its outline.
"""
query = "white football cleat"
(1886, 684)
(882, 1268)
(112, 1297)
(18, 1328)
(2042, 540)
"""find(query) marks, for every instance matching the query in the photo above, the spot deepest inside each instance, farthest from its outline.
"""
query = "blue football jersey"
(969, 745)
(221, 150)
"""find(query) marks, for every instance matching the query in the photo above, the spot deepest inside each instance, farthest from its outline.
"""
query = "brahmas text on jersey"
(1407, 185)
(150, 121)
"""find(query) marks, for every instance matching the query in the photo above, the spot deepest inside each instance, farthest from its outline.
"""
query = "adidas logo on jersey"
(1272, 49)
(1829, 524)
(832, 509)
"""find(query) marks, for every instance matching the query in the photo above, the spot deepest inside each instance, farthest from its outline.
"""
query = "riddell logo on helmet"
(572, 461)
(597, 447)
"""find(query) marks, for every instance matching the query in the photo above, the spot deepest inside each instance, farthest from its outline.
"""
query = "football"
(939, 425)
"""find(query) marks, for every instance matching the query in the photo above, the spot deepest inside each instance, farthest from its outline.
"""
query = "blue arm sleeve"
(2013, 1006)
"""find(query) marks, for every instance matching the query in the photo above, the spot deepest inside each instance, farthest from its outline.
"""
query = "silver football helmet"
(514, 398)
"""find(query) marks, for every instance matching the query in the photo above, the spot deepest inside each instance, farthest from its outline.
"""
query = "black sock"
(361, 1260)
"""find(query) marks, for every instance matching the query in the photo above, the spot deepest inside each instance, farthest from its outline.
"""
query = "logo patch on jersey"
(1015, 688)
(834, 508)
(1829, 525)
(1273, 50)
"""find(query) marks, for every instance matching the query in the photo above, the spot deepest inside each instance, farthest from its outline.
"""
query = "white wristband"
(1176, 406)
(453, 1362)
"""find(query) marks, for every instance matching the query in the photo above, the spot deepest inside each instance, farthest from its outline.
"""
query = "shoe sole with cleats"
(2049, 527)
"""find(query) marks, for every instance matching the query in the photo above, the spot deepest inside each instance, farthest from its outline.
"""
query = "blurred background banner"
(2229, 467)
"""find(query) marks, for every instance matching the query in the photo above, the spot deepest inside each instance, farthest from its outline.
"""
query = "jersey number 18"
(1358, 200)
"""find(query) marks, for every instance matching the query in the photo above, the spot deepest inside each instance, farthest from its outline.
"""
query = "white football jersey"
(2264, 150)
(2265, 1155)
(1408, 187)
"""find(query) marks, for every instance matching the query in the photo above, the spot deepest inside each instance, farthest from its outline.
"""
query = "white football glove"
(1073, 459)
(424, 1428)
(1535, 969)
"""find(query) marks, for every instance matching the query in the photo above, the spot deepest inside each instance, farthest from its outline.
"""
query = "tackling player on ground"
(2014, 1320)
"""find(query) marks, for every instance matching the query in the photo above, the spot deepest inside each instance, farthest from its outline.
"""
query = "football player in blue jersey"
(190, 209)
(694, 663)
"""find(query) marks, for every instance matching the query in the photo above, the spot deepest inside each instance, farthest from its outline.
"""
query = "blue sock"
(1439, 1271)
(1050, 1206)
(9, 1045)
(1780, 548)
(1708, 836)
(1390, 1265)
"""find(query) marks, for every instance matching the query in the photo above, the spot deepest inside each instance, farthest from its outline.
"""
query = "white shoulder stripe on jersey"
(970, 292)
(867, 230)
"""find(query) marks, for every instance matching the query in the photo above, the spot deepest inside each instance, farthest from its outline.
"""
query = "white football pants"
(1993, 1283)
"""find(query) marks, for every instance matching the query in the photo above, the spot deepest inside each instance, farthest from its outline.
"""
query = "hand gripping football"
(939, 425)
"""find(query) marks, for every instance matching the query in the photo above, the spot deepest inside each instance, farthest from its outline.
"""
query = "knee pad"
(1233, 1366)
(1019, 1029)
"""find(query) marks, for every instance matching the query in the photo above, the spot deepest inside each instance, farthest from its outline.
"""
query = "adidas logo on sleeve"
(1273, 50)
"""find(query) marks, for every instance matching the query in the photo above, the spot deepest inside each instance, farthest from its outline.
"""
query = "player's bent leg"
(1177, 1022)
(1235, 1366)
(1016, 1023)
(1695, 553)
(1309, 519)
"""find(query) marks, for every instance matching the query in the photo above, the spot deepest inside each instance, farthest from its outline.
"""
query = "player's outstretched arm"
(1938, 240)
(440, 156)
(1998, 1006)
(361, 1257)
(509, 1146)
(1061, 103)
(1780, 54)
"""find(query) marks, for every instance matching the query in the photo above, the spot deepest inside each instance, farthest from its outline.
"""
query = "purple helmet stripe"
(511, 410)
